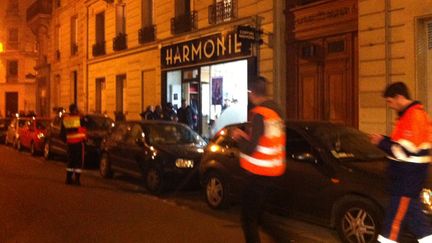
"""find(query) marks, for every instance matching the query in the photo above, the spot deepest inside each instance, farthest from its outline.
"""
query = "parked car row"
(334, 176)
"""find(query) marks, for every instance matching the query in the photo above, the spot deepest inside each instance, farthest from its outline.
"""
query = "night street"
(36, 206)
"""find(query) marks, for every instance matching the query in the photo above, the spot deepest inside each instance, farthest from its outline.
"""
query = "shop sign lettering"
(210, 48)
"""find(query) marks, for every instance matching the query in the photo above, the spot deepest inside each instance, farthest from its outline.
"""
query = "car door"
(303, 188)
(132, 149)
(112, 144)
(56, 141)
(25, 133)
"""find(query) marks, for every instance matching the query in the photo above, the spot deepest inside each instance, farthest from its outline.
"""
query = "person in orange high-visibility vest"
(262, 157)
(74, 134)
(409, 148)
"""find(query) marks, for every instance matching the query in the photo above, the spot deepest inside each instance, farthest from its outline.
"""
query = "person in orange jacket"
(74, 134)
(262, 157)
(408, 148)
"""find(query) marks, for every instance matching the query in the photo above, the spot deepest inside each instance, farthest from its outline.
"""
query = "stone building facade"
(17, 59)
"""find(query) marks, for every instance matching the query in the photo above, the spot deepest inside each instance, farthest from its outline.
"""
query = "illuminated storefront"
(211, 74)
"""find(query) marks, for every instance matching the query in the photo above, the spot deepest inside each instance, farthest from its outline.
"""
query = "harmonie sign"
(206, 49)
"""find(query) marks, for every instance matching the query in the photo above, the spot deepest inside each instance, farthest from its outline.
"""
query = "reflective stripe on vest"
(71, 122)
(269, 157)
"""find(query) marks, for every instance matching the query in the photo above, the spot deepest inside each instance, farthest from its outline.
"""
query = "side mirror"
(304, 157)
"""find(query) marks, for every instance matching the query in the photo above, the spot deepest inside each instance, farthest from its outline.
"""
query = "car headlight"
(426, 199)
(40, 135)
(184, 163)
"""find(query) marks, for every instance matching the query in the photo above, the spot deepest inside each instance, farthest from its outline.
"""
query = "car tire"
(154, 180)
(47, 150)
(216, 191)
(18, 145)
(32, 149)
(358, 220)
(105, 166)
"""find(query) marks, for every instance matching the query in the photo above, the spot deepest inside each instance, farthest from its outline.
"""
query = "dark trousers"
(405, 211)
(257, 190)
(75, 160)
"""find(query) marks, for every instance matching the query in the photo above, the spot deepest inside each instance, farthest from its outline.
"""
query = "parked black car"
(98, 126)
(334, 177)
(164, 153)
(4, 124)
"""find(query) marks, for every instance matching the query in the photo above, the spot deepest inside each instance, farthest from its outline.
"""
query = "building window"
(221, 11)
(13, 38)
(99, 46)
(74, 35)
(120, 41)
(185, 20)
(57, 3)
(429, 34)
(120, 84)
(120, 19)
(57, 40)
(12, 70)
(13, 8)
(147, 31)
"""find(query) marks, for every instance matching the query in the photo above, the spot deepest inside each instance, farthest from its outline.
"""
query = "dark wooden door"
(11, 103)
(327, 84)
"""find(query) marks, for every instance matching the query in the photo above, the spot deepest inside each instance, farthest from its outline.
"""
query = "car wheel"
(105, 166)
(216, 191)
(32, 148)
(154, 180)
(47, 150)
(358, 220)
(18, 145)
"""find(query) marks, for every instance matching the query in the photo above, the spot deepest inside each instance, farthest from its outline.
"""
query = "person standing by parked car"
(74, 134)
(409, 149)
(262, 156)
(184, 114)
(148, 114)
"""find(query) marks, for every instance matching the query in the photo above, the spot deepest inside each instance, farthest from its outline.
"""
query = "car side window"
(119, 132)
(134, 134)
(295, 143)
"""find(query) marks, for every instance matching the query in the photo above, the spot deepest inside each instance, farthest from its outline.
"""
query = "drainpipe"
(86, 61)
(388, 64)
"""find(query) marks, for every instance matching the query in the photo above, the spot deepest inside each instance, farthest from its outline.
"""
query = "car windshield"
(171, 134)
(345, 143)
(41, 124)
(97, 123)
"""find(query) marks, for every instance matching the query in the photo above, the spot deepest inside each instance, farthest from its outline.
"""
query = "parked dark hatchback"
(334, 177)
(4, 124)
(164, 153)
(98, 126)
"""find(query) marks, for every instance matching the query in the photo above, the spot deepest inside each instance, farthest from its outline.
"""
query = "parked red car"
(32, 135)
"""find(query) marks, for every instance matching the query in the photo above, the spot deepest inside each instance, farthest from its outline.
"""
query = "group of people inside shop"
(186, 114)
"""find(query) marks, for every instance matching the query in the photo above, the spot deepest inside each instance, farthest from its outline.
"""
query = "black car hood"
(374, 167)
(187, 151)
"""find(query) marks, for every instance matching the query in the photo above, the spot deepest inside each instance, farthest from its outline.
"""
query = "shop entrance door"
(327, 84)
(191, 94)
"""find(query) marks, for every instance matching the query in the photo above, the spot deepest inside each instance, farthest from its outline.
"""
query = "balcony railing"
(184, 23)
(222, 11)
(74, 49)
(120, 42)
(99, 49)
(12, 78)
(39, 7)
(147, 34)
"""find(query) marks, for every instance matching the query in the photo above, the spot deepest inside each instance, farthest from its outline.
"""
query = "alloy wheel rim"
(358, 226)
(46, 150)
(214, 191)
(103, 165)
